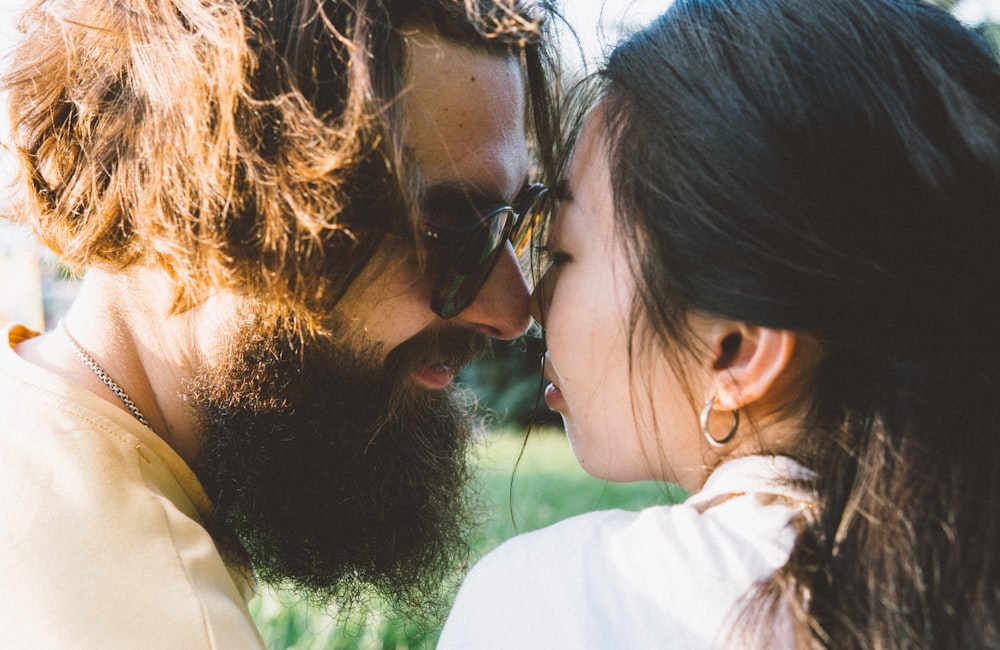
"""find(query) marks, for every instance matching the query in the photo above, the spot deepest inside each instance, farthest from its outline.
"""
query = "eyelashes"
(551, 256)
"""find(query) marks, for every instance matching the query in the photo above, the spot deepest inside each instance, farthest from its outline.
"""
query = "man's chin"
(336, 478)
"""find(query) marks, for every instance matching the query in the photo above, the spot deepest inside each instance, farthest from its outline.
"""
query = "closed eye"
(550, 256)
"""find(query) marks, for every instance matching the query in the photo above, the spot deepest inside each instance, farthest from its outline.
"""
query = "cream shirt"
(100, 540)
(666, 577)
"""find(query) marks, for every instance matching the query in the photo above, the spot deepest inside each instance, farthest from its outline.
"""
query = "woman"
(770, 283)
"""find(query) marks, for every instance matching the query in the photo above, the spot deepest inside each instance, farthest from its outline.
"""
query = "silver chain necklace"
(103, 376)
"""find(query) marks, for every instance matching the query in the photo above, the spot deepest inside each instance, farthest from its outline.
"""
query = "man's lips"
(432, 358)
(434, 377)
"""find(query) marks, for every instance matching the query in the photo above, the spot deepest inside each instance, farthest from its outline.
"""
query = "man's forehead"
(464, 115)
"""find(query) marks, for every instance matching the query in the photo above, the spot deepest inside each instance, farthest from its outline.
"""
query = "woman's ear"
(747, 362)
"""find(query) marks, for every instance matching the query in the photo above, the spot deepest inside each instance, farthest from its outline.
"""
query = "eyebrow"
(561, 190)
(562, 193)
(457, 202)
(455, 195)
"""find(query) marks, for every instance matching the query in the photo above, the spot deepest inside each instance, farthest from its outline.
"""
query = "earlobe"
(748, 364)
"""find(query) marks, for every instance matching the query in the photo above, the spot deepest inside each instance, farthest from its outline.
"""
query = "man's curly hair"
(242, 143)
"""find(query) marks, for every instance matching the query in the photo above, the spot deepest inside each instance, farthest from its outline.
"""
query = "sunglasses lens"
(467, 272)
(461, 277)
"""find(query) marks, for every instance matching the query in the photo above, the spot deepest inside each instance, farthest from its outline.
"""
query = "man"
(294, 218)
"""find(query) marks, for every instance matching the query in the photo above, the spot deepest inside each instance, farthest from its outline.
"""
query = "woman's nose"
(541, 297)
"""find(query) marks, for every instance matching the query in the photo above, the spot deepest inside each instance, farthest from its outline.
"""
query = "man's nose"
(500, 309)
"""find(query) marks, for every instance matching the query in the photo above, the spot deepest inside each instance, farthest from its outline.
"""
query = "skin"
(631, 409)
(465, 126)
(588, 358)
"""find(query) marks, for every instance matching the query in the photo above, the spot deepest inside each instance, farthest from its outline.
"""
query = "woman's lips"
(434, 377)
(553, 396)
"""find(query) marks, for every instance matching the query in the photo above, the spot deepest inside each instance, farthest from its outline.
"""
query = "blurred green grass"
(545, 486)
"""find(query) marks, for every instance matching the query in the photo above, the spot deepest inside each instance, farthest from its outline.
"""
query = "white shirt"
(666, 577)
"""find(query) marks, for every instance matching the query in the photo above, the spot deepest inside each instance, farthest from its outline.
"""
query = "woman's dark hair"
(833, 167)
(255, 143)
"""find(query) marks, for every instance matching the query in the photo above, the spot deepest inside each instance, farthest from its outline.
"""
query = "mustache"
(450, 345)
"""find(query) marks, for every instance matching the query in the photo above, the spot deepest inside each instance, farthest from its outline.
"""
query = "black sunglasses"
(461, 258)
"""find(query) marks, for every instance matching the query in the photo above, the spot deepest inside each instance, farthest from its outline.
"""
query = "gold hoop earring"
(712, 440)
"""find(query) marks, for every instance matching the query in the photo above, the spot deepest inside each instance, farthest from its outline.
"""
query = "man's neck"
(122, 321)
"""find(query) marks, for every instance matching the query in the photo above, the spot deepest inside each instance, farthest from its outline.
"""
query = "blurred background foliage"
(508, 383)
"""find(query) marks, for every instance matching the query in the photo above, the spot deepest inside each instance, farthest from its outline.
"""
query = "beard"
(331, 471)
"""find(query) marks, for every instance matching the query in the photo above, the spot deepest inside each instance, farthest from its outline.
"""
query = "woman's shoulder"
(682, 565)
(744, 498)
(542, 589)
